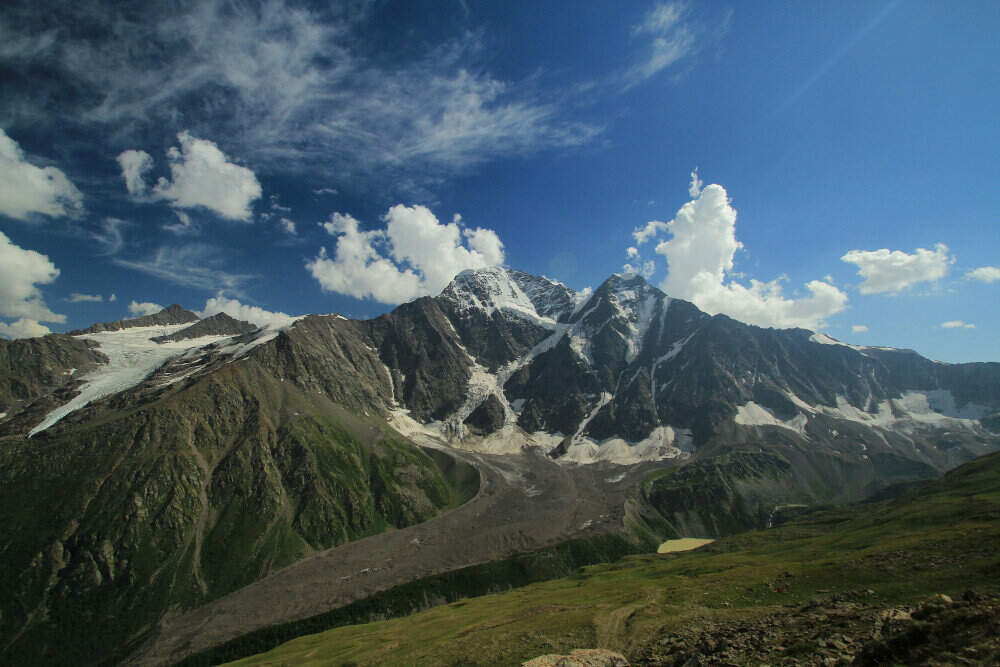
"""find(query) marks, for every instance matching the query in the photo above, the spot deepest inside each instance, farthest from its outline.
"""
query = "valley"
(188, 484)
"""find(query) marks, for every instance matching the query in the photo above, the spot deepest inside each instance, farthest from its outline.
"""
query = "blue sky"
(279, 157)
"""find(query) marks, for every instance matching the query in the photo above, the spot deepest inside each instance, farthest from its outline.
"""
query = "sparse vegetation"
(859, 559)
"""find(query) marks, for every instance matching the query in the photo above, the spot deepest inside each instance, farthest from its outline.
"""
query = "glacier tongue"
(132, 356)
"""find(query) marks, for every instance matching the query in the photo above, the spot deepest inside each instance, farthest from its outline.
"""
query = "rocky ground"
(525, 502)
(844, 629)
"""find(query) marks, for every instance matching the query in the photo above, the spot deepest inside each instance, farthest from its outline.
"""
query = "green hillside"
(822, 585)
(125, 513)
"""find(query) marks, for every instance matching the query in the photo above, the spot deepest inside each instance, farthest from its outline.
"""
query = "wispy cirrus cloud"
(287, 84)
(77, 297)
(670, 39)
(193, 265)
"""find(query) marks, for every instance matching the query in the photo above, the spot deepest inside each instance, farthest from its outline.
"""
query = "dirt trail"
(525, 502)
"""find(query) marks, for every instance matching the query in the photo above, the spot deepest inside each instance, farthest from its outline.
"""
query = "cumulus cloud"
(650, 230)
(957, 324)
(645, 269)
(891, 271)
(700, 264)
(140, 309)
(288, 226)
(415, 255)
(134, 165)
(21, 271)
(859, 328)
(632, 252)
(201, 175)
(240, 311)
(985, 274)
(694, 189)
(671, 39)
(76, 297)
(26, 190)
(23, 328)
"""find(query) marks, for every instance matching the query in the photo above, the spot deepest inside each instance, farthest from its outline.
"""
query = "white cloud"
(957, 324)
(134, 165)
(892, 271)
(183, 226)
(253, 314)
(20, 272)
(26, 189)
(112, 298)
(288, 226)
(110, 236)
(201, 175)
(671, 40)
(859, 328)
(192, 265)
(23, 328)
(652, 228)
(646, 269)
(137, 309)
(415, 255)
(986, 274)
(632, 252)
(76, 297)
(297, 85)
(694, 189)
(700, 264)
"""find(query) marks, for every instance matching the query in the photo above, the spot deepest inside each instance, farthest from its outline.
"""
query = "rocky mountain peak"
(514, 292)
(173, 314)
(219, 324)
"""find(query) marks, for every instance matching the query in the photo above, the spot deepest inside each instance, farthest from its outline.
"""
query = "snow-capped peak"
(498, 289)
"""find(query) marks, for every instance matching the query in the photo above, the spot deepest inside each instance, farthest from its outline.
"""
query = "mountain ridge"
(502, 370)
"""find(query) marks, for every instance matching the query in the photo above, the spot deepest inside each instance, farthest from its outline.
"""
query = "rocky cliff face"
(45, 369)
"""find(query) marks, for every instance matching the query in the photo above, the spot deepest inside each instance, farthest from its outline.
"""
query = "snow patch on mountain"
(660, 444)
(674, 350)
(132, 357)
(493, 289)
(753, 414)
(913, 409)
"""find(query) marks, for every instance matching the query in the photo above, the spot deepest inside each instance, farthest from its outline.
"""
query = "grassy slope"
(111, 524)
(942, 538)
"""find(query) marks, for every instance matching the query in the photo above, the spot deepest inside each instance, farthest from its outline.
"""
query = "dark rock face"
(174, 314)
(216, 325)
(430, 368)
(32, 368)
(486, 418)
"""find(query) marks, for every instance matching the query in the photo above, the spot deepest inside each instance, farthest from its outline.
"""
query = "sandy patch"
(683, 544)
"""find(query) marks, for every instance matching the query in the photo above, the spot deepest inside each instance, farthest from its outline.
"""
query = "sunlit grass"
(941, 539)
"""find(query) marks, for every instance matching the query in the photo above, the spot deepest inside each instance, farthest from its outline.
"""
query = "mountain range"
(152, 469)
